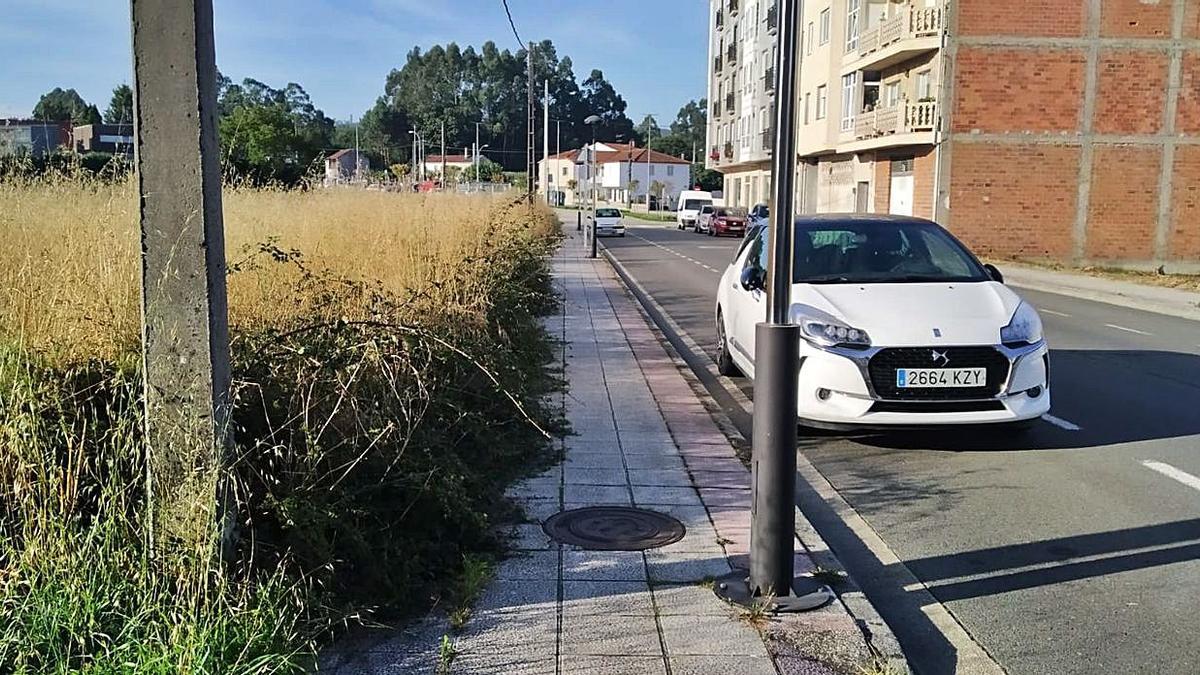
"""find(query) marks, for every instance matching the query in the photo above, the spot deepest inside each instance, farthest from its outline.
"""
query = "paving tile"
(482, 663)
(530, 537)
(715, 464)
(596, 494)
(647, 495)
(585, 476)
(529, 565)
(612, 665)
(608, 635)
(540, 510)
(724, 497)
(690, 600)
(531, 491)
(722, 479)
(603, 566)
(665, 477)
(661, 461)
(708, 665)
(594, 460)
(615, 598)
(506, 596)
(390, 663)
(710, 636)
(685, 566)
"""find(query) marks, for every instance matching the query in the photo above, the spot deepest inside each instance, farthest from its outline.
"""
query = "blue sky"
(653, 51)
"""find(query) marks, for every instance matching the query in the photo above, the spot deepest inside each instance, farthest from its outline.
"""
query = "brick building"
(1063, 130)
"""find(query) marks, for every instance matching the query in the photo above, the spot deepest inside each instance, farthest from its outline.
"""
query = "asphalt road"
(1076, 550)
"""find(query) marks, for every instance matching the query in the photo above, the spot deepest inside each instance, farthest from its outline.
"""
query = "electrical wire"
(507, 11)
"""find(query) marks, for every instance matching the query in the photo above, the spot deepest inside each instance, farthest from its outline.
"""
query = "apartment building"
(1061, 130)
(741, 95)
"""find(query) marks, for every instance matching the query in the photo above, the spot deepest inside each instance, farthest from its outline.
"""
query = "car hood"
(906, 315)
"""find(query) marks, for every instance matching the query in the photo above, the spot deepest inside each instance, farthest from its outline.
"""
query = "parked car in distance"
(725, 220)
(609, 222)
(690, 203)
(901, 326)
(703, 217)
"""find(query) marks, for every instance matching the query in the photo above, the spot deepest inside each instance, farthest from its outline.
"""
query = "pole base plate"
(807, 594)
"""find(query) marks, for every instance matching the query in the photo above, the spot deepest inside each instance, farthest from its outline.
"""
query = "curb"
(1182, 307)
(877, 634)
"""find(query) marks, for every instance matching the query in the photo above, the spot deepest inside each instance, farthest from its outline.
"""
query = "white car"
(609, 222)
(901, 326)
(690, 204)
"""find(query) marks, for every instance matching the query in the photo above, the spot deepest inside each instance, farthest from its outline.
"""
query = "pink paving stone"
(721, 479)
(707, 450)
(718, 497)
(705, 463)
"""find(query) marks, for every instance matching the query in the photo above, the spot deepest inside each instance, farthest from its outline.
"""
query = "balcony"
(718, 63)
(903, 118)
(769, 80)
(729, 107)
(716, 109)
(729, 150)
(898, 38)
(768, 140)
(733, 7)
(731, 54)
(772, 19)
(714, 153)
(720, 19)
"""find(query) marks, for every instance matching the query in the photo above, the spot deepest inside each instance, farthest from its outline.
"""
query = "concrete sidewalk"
(642, 438)
(1157, 299)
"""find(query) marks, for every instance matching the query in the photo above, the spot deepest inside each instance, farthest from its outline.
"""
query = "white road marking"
(1127, 330)
(1061, 423)
(1043, 310)
(1171, 472)
(720, 248)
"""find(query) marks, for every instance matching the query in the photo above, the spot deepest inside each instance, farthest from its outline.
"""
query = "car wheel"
(725, 364)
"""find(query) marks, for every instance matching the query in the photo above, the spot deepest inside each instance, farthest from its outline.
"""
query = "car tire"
(725, 364)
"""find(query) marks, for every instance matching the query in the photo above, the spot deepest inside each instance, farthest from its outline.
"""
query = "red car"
(727, 220)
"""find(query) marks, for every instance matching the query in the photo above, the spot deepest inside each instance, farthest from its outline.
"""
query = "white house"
(433, 163)
(622, 171)
(339, 167)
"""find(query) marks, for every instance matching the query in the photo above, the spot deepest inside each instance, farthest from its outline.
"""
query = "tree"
(707, 179)
(691, 123)
(656, 188)
(61, 105)
(632, 187)
(600, 98)
(270, 134)
(120, 108)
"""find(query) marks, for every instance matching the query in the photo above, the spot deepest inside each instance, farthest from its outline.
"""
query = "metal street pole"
(442, 178)
(595, 196)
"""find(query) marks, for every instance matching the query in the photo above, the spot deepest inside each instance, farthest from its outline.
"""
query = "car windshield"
(731, 212)
(608, 213)
(876, 251)
(696, 204)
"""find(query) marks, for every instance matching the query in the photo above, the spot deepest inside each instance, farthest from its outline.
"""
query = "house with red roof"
(624, 173)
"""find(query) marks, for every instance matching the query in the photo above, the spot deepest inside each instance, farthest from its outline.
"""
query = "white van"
(690, 203)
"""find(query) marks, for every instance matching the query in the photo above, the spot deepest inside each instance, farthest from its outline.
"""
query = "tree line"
(279, 135)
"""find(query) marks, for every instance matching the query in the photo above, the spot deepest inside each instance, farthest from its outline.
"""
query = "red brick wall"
(1131, 92)
(1187, 114)
(1184, 242)
(924, 166)
(1044, 18)
(1136, 18)
(1123, 205)
(1001, 90)
(1014, 200)
(883, 184)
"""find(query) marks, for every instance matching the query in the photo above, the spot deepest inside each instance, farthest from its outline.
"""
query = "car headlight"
(824, 330)
(1025, 328)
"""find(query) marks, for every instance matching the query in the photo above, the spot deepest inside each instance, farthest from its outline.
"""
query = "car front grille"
(882, 369)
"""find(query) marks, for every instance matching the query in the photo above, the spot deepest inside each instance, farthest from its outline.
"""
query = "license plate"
(926, 378)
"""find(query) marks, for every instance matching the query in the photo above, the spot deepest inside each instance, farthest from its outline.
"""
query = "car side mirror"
(994, 273)
(752, 278)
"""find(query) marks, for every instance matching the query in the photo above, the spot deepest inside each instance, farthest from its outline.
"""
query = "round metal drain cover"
(613, 528)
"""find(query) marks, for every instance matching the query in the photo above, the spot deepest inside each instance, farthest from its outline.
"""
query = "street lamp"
(592, 121)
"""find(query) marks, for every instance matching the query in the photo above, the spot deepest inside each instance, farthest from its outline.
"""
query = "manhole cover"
(613, 528)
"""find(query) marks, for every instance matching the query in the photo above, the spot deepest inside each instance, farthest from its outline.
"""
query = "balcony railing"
(716, 109)
(731, 54)
(769, 80)
(772, 18)
(911, 22)
(729, 150)
(718, 63)
(729, 103)
(768, 140)
(714, 153)
(720, 18)
(902, 118)
(733, 7)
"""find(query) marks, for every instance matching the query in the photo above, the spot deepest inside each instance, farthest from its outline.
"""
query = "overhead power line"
(517, 35)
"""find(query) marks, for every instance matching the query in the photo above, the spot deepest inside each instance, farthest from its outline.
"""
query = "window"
(808, 39)
(852, 25)
(822, 101)
(565, 171)
(825, 26)
(923, 91)
(651, 169)
(891, 94)
(670, 169)
(849, 96)
(807, 102)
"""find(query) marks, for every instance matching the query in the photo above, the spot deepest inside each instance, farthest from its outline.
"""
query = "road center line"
(1171, 472)
(1127, 330)
(1043, 310)
(1061, 423)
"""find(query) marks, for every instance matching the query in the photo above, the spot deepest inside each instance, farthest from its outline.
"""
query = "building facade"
(1060, 130)
(32, 138)
(116, 139)
(625, 174)
(346, 166)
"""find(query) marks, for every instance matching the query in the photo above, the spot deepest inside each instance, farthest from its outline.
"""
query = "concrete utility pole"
(530, 136)
(185, 333)
(592, 121)
(443, 176)
(546, 140)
